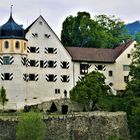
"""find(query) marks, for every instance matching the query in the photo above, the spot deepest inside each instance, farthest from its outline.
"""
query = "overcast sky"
(55, 11)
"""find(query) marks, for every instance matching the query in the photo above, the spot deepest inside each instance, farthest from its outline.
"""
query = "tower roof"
(11, 29)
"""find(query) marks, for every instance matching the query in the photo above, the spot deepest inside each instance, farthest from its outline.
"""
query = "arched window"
(6, 44)
(17, 45)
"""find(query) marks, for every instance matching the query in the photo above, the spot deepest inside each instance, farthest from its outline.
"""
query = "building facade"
(35, 67)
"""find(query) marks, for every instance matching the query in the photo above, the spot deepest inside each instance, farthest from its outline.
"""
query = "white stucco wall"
(42, 89)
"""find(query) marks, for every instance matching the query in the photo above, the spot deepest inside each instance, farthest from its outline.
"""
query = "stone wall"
(81, 126)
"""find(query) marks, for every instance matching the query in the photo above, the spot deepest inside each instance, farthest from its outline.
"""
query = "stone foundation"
(80, 126)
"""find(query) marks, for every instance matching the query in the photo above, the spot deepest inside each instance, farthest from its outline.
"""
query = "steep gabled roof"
(97, 54)
(28, 28)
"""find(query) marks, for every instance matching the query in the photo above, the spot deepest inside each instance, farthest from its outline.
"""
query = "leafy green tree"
(132, 102)
(101, 32)
(31, 126)
(135, 122)
(90, 90)
(134, 84)
(3, 98)
(115, 29)
(137, 37)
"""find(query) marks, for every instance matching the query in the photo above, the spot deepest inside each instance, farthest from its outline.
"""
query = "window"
(6, 76)
(47, 35)
(126, 79)
(32, 63)
(31, 77)
(110, 73)
(57, 91)
(41, 63)
(128, 55)
(33, 49)
(64, 78)
(17, 45)
(35, 35)
(100, 67)
(6, 60)
(83, 68)
(126, 68)
(6, 44)
(50, 64)
(51, 77)
(64, 65)
(50, 50)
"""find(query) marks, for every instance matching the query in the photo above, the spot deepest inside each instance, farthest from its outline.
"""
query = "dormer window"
(6, 44)
(17, 45)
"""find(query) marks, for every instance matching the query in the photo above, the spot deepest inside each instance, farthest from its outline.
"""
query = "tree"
(31, 126)
(115, 29)
(132, 104)
(101, 32)
(3, 98)
(134, 84)
(90, 90)
(137, 37)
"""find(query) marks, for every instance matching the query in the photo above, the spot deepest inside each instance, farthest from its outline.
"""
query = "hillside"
(134, 27)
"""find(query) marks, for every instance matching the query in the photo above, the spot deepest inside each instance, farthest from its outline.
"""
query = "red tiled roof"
(97, 54)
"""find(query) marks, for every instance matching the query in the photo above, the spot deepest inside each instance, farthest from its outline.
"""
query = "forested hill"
(133, 28)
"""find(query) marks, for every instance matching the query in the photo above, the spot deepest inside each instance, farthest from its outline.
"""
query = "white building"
(35, 67)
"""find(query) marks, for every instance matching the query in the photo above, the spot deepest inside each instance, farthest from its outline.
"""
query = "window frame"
(126, 68)
(6, 60)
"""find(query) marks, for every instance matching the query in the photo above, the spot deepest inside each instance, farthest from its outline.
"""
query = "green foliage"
(137, 37)
(132, 104)
(110, 103)
(31, 126)
(102, 31)
(135, 121)
(90, 90)
(3, 98)
(115, 138)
